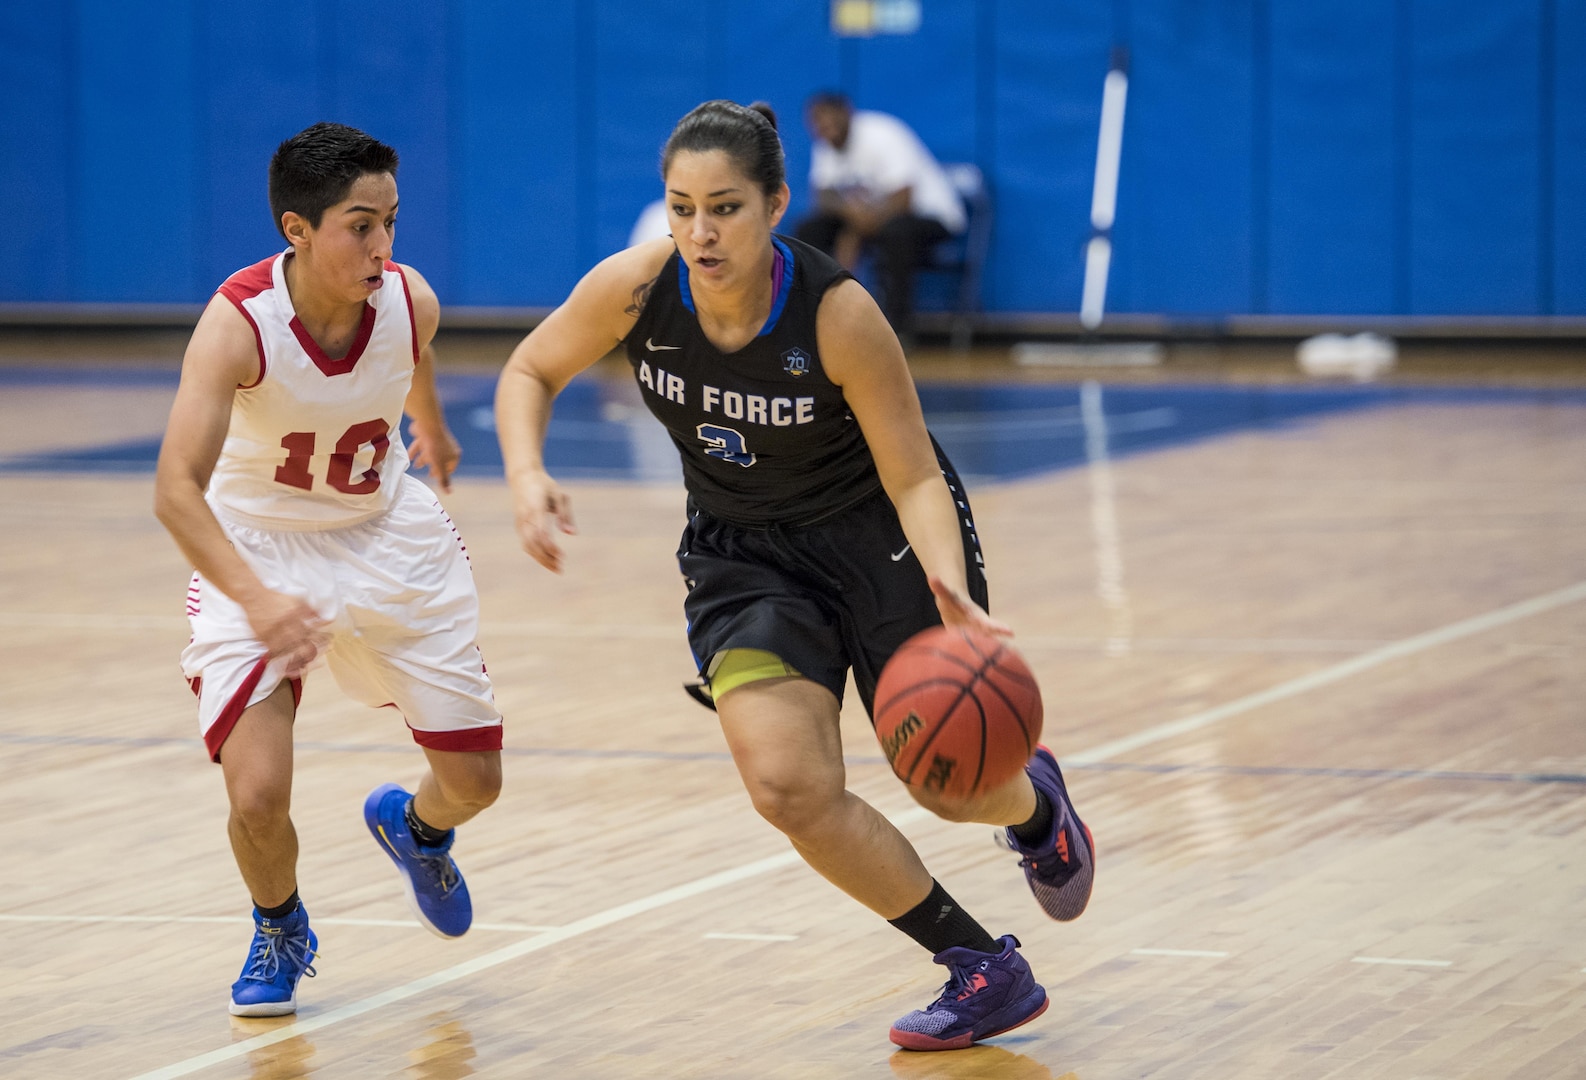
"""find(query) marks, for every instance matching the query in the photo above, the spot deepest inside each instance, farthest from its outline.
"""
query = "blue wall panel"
(1050, 61)
(1184, 233)
(1474, 116)
(641, 90)
(515, 154)
(1568, 144)
(927, 79)
(1330, 216)
(258, 86)
(806, 57)
(1363, 156)
(389, 76)
(135, 163)
(36, 128)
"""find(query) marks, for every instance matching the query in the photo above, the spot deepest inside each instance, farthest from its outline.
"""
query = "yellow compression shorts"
(733, 668)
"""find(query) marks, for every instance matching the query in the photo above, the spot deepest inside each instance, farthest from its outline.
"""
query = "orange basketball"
(957, 712)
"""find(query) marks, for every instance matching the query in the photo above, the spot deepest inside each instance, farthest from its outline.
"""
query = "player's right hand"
(288, 628)
(541, 509)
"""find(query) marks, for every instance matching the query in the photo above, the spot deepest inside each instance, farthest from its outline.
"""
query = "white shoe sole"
(266, 1008)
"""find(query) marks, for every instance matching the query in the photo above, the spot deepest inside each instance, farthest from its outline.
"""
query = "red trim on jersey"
(346, 363)
(220, 730)
(463, 740)
(413, 321)
(245, 284)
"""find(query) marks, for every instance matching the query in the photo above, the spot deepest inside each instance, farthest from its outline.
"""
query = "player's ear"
(778, 201)
(296, 228)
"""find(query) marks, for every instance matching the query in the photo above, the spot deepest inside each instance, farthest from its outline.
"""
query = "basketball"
(957, 712)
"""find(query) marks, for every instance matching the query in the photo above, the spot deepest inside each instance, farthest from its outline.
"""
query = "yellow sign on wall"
(866, 18)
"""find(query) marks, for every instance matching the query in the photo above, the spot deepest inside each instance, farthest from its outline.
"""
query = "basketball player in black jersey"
(825, 528)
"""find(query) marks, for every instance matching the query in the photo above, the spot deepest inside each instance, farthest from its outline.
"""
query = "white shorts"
(398, 598)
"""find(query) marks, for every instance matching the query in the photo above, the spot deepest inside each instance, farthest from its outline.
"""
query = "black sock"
(1039, 827)
(938, 923)
(428, 835)
(281, 912)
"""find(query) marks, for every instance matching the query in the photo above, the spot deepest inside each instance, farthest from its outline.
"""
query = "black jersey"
(764, 435)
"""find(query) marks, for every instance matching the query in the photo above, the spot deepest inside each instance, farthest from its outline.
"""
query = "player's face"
(720, 218)
(349, 250)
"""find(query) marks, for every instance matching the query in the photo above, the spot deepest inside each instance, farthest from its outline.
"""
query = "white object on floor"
(1361, 357)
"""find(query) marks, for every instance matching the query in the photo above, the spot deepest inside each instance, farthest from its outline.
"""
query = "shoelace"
(264, 963)
(958, 981)
(440, 869)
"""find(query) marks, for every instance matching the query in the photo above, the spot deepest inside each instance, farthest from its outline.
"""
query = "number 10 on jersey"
(299, 447)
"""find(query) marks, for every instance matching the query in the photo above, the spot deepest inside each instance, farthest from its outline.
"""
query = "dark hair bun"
(765, 110)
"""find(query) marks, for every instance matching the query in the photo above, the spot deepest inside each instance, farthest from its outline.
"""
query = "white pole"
(1104, 197)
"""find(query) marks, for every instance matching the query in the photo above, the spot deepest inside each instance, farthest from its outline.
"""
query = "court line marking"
(600, 920)
(751, 937)
(590, 923)
(1337, 673)
(329, 920)
(1401, 962)
(1212, 954)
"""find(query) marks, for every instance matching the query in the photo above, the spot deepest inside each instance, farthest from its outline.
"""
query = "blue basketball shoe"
(1060, 870)
(282, 952)
(985, 995)
(435, 887)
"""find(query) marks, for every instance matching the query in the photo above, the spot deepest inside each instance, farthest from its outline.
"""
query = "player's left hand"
(436, 450)
(959, 610)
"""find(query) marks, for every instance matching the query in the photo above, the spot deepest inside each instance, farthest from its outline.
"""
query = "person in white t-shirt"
(876, 187)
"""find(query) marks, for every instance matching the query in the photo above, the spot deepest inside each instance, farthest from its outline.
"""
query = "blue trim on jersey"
(784, 287)
(682, 284)
(778, 300)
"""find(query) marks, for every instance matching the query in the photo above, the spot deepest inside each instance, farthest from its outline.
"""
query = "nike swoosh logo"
(899, 556)
(649, 343)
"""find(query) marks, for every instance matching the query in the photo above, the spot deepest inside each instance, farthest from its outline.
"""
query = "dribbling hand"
(288, 628)
(959, 610)
(541, 509)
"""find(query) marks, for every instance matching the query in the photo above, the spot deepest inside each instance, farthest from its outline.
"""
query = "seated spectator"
(876, 187)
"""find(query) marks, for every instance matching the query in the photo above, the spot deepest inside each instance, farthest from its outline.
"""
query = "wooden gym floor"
(1320, 688)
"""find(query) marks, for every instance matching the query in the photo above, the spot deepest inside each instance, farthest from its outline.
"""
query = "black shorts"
(845, 592)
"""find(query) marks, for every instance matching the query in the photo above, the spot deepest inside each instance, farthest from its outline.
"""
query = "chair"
(965, 254)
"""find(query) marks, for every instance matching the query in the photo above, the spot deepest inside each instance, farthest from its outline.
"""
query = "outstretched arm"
(220, 358)
(861, 354)
(598, 314)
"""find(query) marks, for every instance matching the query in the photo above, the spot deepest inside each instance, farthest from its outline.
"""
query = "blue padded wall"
(1330, 216)
(135, 167)
(38, 85)
(259, 86)
(1474, 151)
(1185, 213)
(515, 154)
(1360, 156)
(1048, 61)
(1567, 144)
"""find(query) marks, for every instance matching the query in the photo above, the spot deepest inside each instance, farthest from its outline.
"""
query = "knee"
(261, 807)
(474, 786)
(948, 809)
(795, 806)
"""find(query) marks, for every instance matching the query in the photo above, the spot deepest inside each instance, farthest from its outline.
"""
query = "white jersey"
(316, 443)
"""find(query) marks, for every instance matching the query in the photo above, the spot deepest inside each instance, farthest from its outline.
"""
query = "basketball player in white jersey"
(284, 479)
